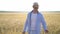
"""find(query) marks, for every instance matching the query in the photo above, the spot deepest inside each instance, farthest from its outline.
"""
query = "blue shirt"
(40, 19)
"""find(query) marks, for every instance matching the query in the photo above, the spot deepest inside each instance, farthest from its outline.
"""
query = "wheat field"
(13, 23)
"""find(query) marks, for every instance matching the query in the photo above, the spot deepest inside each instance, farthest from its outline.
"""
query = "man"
(34, 20)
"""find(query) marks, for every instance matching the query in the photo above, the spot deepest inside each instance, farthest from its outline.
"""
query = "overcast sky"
(26, 5)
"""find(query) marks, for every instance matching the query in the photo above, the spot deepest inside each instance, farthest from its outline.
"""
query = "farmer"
(34, 20)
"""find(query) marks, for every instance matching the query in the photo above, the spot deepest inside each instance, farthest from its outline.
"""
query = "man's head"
(35, 6)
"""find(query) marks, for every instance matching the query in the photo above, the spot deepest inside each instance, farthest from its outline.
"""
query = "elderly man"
(34, 20)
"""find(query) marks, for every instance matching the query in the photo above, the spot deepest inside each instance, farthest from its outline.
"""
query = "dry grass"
(14, 23)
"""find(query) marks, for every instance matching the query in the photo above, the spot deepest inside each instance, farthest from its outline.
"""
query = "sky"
(26, 5)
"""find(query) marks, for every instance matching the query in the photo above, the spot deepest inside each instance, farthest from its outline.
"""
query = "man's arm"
(44, 23)
(26, 25)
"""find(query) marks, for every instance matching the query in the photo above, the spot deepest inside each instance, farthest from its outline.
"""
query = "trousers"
(33, 32)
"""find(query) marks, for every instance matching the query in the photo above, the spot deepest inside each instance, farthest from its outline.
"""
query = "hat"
(35, 3)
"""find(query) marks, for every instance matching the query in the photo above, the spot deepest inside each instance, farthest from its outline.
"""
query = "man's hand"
(23, 33)
(46, 31)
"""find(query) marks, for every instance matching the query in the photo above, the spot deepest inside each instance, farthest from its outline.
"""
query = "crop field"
(13, 23)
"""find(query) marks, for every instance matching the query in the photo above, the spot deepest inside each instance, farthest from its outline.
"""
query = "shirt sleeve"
(43, 22)
(26, 25)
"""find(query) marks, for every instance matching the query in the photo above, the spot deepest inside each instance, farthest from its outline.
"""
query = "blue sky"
(26, 5)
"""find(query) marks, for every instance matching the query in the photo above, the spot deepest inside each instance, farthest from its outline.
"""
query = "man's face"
(35, 6)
